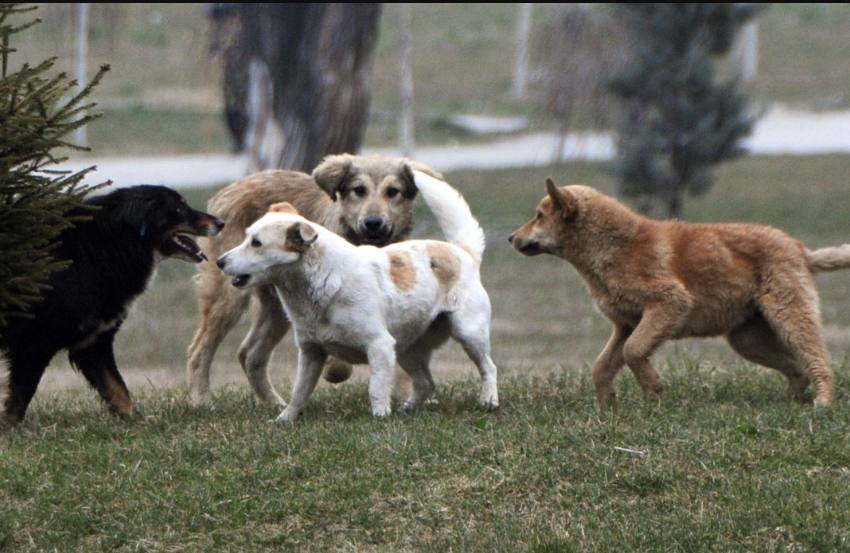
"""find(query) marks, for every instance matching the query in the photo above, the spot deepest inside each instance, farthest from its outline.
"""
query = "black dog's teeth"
(189, 246)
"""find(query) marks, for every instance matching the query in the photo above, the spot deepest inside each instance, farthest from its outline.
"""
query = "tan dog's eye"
(392, 192)
(256, 243)
(360, 191)
(539, 215)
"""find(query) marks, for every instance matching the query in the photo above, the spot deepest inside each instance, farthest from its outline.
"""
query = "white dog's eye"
(256, 243)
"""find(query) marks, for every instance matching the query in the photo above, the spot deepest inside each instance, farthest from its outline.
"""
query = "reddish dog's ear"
(300, 236)
(283, 207)
(564, 199)
(331, 172)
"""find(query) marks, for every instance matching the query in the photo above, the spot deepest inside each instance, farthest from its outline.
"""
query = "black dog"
(114, 256)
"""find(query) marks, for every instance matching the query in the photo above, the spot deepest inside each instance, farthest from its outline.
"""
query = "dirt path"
(781, 132)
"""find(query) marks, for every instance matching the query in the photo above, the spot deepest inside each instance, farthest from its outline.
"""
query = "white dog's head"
(279, 237)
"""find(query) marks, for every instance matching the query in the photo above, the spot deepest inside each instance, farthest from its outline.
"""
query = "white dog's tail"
(452, 213)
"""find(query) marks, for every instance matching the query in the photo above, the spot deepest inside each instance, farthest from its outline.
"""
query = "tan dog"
(366, 199)
(665, 280)
(364, 304)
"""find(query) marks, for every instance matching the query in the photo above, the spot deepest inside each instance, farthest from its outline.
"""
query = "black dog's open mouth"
(188, 246)
(241, 281)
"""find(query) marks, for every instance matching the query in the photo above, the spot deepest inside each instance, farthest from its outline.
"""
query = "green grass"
(723, 464)
(726, 464)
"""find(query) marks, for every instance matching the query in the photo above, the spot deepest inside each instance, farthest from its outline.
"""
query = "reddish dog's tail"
(830, 259)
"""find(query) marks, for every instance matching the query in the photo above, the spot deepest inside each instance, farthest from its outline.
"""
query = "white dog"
(376, 305)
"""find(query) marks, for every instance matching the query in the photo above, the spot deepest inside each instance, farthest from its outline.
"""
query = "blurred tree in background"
(36, 112)
(682, 118)
(576, 50)
(296, 79)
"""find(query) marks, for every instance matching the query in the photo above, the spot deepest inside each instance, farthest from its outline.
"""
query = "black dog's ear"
(330, 174)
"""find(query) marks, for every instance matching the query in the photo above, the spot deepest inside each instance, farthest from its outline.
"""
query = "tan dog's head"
(376, 195)
(280, 237)
(550, 230)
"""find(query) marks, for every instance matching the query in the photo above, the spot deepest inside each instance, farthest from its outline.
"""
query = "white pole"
(406, 70)
(749, 52)
(82, 54)
(521, 67)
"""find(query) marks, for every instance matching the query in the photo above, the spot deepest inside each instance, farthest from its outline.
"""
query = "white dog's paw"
(287, 416)
(490, 402)
(382, 411)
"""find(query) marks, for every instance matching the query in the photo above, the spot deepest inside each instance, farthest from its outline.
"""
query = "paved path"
(780, 132)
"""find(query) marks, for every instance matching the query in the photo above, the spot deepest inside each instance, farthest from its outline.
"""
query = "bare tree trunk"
(406, 70)
(80, 137)
(521, 65)
(308, 68)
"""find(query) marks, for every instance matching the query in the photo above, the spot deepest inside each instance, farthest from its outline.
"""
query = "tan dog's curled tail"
(830, 259)
(453, 215)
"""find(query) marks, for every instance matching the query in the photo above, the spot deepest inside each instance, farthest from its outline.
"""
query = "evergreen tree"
(36, 112)
(682, 118)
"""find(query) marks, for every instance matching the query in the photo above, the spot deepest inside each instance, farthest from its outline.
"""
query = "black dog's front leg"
(97, 363)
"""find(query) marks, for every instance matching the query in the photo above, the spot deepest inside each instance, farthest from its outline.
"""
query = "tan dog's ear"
(564, 199)
(300, 236)
(406, 176)
(331, 172)
(283, 207)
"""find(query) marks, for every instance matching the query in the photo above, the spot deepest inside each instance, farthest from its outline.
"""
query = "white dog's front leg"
(381, 354)
(310, 363)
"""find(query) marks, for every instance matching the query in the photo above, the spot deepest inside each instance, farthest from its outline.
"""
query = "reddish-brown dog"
(665, 280)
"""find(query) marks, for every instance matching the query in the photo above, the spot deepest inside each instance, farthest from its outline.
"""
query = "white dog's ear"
(283, 207)
(331, 172)
(563, 198)
(300, 236)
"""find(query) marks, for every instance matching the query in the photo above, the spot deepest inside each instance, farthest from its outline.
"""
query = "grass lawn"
(724, 463)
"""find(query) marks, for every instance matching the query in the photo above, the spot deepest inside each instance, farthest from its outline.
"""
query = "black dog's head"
(162, 216)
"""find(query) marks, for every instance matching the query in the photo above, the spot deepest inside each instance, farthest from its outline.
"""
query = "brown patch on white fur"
(665, 280)
(402, 271)
(444, 263)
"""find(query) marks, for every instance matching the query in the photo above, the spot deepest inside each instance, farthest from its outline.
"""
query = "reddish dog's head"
(550, 229)
(572, 219)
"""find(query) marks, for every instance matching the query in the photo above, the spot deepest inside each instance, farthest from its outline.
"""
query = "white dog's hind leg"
(381, 354)
(472, 329)
(310, 363)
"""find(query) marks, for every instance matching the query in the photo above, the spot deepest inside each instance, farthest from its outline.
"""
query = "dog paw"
(491, 404)
(287, 416)
(382, 412)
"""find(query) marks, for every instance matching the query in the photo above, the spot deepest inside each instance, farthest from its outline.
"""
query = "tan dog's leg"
(415, 363)
(221, 308)
(310, 362)
(269, 327)
(757, 342)
(607, 365)
(657, 325)
(791, 309)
